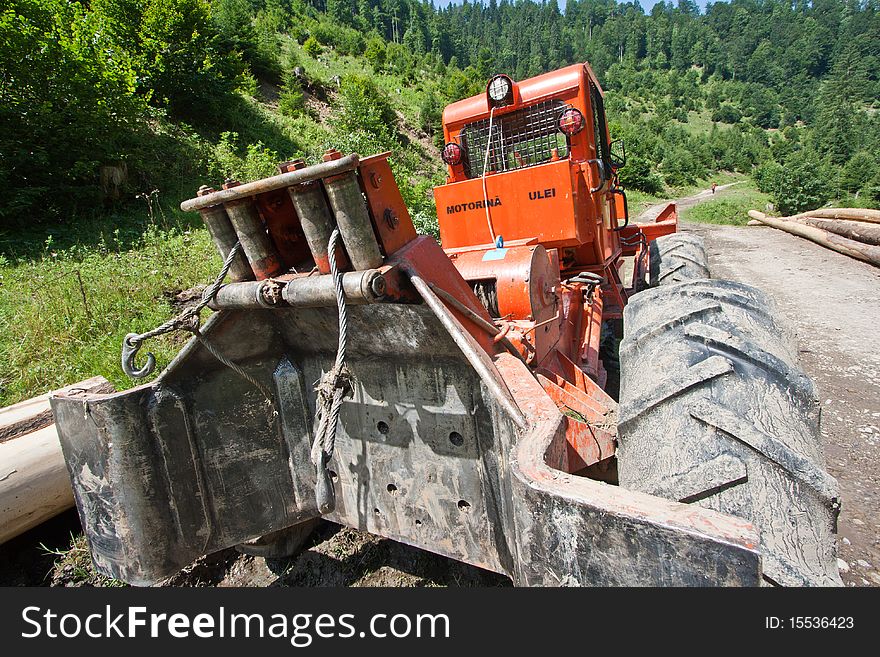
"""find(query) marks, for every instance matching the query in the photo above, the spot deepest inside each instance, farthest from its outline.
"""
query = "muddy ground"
(833, 301)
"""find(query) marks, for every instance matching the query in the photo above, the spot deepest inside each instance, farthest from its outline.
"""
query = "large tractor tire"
(676, 258)
(714, 411)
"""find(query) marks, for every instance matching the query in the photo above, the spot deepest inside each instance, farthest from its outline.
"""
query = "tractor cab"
(532, 161)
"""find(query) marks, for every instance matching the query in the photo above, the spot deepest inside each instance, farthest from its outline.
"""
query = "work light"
(571, 122)
(500, 90)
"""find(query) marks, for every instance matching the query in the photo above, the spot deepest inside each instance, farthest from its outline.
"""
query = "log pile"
(852, 231)
(34, 484)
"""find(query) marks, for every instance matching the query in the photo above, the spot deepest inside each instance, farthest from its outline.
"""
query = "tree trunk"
(853, 214)
(34, 484)
(837, 243)
(854, 230)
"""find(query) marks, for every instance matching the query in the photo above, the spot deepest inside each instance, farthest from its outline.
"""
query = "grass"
(731, 206)
(73, 567)
(65, 309)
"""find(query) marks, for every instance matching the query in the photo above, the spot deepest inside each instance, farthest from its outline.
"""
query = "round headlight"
(500, 88)
(571, 122)
(452, 154)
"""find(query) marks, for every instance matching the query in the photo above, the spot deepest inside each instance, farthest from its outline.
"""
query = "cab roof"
(530, 91)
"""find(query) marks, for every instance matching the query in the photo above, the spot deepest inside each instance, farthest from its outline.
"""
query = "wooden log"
(854, 230)
(858, 250)
(34, 484)
(33, 414)
(852, 214)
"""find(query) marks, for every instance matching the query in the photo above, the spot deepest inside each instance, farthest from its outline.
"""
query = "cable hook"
(129, 353)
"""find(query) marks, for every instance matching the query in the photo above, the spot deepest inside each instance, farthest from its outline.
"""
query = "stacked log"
(857, 242)
(852, 214)
(34, 484)
(854, 230)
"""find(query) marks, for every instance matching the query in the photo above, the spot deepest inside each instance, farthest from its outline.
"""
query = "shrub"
(375, 53)
(680, 167)
(364, 110)
(291, 101)
(856, 173)
(639, 174)
(255, 161)
(800, 184)
(312, 47)
(726, 113)
(66, 107)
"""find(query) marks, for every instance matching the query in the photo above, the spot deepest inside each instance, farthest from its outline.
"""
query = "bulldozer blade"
(440, 446)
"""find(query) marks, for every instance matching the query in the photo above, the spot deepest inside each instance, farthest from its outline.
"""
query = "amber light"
(571, 122)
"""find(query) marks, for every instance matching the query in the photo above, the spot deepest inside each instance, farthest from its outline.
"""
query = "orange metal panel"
(391, 218)
(539, 202)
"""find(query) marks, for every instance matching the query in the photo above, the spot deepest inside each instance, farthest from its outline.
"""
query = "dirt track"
(650, 213)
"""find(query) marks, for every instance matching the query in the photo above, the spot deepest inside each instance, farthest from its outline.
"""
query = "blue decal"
(494, 254)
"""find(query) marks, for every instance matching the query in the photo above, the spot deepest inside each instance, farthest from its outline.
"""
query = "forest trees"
(743, 83)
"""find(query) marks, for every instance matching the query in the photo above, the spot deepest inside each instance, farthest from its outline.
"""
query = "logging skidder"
(470, 400)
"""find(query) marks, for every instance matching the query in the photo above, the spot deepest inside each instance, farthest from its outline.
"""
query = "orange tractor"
(558, 394)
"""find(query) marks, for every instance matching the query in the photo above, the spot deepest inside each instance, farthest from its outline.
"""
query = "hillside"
(114, 111)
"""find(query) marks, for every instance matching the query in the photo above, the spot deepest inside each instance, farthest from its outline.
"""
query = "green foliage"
(726, 113)
(431, 114)
(801, 183)
(251, 162)
(680, 167)
(255, 40)
(375, 53)
(65, 107)
(639, 174)
(312, 47)
(859, 171)
(364, 115)
(175, 50)
(872, 191)
(291, 100)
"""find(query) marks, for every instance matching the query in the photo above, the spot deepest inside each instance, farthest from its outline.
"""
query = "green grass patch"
(65, 310)
(74, 567)
(731, 206)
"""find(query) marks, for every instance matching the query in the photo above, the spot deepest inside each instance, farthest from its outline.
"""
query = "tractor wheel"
(676, 258)
(281, 544)
(714, 411)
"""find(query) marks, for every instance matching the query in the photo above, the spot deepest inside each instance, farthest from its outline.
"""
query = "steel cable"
(331, 389)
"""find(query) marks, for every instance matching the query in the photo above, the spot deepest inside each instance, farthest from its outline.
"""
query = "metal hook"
(129, 353)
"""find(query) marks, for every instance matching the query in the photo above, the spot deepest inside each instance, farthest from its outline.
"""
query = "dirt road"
(650, 213)
(834, 303)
